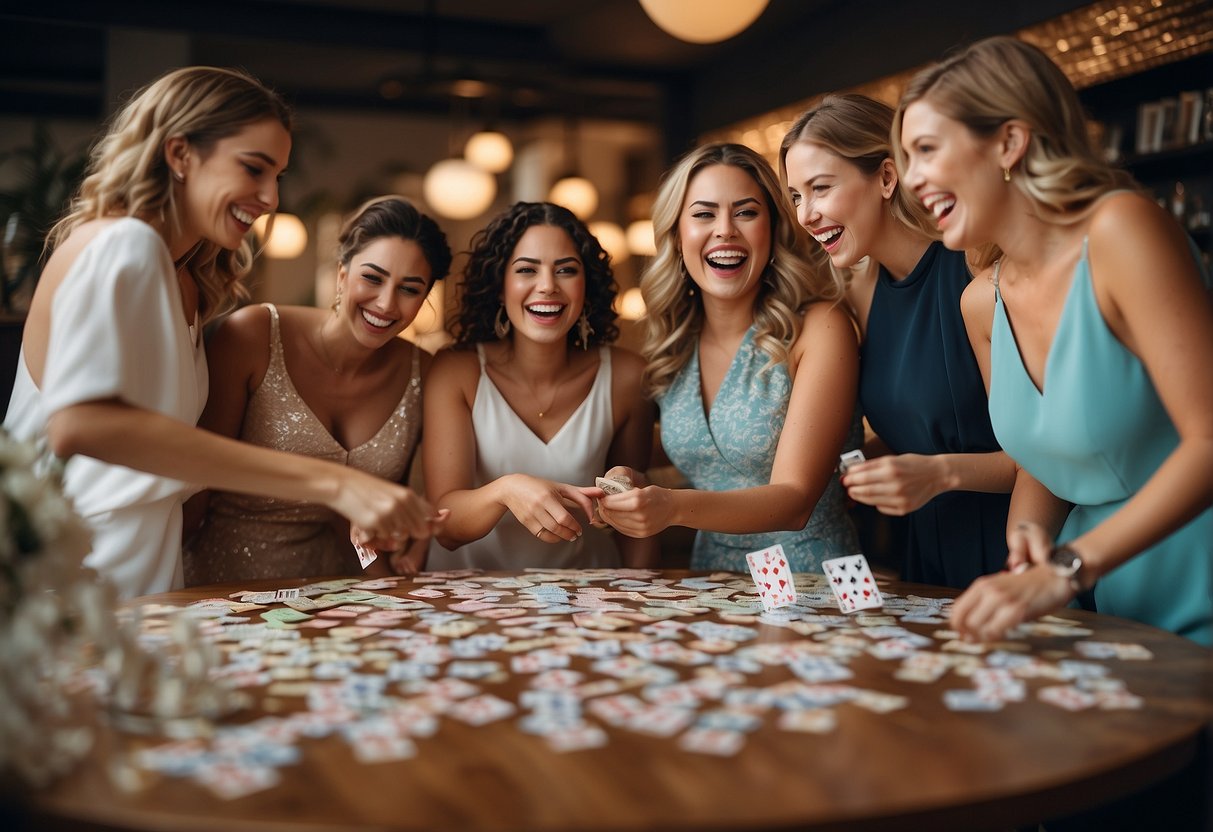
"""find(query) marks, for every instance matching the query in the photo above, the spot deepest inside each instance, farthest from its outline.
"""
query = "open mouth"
(243, 217)
(940, 205)
(726, 260)
(376, 321)
(545, 312)
(828, 237)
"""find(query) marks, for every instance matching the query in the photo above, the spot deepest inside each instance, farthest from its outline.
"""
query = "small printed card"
(848, 459)
(365, 556)
(612, 486)
(852, 582)
(773, 577)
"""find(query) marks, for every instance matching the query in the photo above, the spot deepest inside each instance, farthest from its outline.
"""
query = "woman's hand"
(897, 484)
(993, 604)
(641, 512)
(407, 559)
(383, 510)
(542, 506)
(1027, 544)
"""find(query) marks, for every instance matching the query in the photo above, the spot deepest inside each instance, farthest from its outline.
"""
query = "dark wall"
(841, 45)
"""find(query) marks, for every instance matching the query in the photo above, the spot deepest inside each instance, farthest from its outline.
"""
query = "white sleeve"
(114, 323)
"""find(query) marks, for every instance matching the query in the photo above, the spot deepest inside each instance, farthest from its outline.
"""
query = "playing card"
(365, 556)
(851, 579)
(773, 576)
(613, 485)
(848, 459)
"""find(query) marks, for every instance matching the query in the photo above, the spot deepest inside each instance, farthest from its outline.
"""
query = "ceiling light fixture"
(458, 190)
(283, 236)
(489, 150)
(703, 21)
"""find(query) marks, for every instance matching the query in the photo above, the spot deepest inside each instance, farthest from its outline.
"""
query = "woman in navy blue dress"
(920, 386)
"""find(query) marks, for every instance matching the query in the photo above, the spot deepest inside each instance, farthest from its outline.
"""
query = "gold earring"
(584, 330)
(1006, 174)
(501, 326)
(337, 300)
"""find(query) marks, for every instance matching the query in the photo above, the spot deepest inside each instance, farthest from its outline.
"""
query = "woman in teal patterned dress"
(754, 365)
(1094, 334)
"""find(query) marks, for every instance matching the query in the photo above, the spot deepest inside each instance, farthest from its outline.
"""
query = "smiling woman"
(338, 386)
(112, 371)
(753, 363)
(518, 429)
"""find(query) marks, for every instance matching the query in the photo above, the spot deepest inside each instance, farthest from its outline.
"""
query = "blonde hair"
(128, 174)
(795, 277)
(1002, 78)
(856, 128)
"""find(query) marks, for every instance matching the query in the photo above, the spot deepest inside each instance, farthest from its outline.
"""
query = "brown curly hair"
(492, 247)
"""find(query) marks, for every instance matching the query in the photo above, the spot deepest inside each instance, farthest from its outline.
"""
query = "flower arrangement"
(47, 603)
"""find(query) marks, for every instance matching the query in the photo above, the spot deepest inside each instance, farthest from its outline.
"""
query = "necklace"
(324, 354)
(543, 411)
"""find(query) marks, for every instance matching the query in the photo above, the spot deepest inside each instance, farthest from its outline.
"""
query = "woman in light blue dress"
(754, 365)
(1094, 332)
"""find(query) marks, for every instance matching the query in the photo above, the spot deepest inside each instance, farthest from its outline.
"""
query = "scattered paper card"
(611, 485)
(849, 459)
(851, 579)
(773, 576)
(365, 556)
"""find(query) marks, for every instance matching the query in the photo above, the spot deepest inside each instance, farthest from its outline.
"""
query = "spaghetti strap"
(480, 355)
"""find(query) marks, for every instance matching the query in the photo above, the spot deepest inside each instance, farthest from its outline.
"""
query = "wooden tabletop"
(916, 767)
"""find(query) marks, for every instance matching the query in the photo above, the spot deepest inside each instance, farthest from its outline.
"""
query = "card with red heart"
(773, 577)
(852, 582)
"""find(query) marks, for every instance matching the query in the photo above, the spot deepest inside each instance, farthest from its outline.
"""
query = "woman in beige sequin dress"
(336, 385)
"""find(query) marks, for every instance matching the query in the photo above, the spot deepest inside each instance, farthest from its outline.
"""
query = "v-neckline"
(1057, 331)
(484, 371)
(308, 408)
(728, 375)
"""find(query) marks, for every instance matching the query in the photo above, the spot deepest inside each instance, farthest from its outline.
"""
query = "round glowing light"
(640, 238)
(489, 150)
(612, 239)
(576, 193)
(458, 190)
(703, 21)
(631, 305)
(283, 238)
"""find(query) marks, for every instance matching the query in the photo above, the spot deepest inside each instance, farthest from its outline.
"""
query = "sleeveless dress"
(922, 391)
(118, 331)
(1093, 437)
(734, 447)
(248, 537)
(575, 455)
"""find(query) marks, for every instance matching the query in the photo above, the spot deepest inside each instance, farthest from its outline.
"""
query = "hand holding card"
(852, 582)
(773, 577)
(613, 485)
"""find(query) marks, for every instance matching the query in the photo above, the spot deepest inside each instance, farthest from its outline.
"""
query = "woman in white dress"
(532, 404)
(112, 373)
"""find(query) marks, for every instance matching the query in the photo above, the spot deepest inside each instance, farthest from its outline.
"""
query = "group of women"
(968, 243)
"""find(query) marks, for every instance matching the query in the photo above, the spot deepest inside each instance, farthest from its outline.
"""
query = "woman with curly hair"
(336, 385)
(112, 371)
(937, 460)
(532, 403)
(1093, 330)
(754, 364)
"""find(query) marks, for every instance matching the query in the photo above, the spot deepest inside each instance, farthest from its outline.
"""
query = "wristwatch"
(1066, 563)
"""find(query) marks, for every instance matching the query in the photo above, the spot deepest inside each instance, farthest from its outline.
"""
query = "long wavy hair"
(128, 175)
(1001, 78)
(796, 276)
(856, 128)
(484, 275)
(395, 216)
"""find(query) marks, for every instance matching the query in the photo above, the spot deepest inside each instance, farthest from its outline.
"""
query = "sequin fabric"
(246, 537)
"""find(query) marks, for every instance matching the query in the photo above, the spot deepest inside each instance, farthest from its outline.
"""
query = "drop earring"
(337, 300)
(1006, 174)
(584, 330)
(501, 326)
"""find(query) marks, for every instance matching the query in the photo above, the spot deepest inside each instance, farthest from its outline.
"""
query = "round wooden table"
(923, 766)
